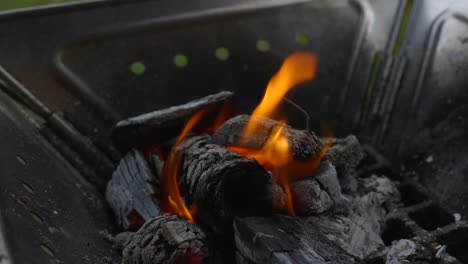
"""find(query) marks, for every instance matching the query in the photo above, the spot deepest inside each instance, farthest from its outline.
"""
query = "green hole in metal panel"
(222, 53)
(302, 39)
(180, 60)
(14, 4)
(138, 68)
(263, 45)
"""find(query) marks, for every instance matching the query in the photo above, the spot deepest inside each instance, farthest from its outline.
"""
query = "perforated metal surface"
(49, 213)
(82, 69)
(379, 77)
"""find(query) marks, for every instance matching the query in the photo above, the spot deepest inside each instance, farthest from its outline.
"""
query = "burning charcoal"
(223, 184)
(132, 190)
(382, 186)
(348, 182)
(326, 175)
(166, 239)
(158, 126)
(304, 145)
(282, 239)
(309, 198)
(407, 251)
(318, 193)
(279, 200)
(346, 154)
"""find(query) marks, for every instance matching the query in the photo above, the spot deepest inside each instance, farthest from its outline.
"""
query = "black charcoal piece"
(318, 193)
(358, 231)
(166, 239)
(304, 145)
(327, 177)
(346, 153)
(282, 239)
(309, 198)
(156, 163)
(155, 127)
(133, 191)
(222, 183)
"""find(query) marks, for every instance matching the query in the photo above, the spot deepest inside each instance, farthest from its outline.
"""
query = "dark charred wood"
(158, 126)
(223, 184)
(132, 192)
(304, 145)
(166, 239)
(282, 239)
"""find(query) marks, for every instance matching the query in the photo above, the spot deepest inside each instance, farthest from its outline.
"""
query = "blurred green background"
(14, 4)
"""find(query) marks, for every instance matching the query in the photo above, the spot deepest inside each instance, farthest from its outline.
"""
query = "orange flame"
(274, 152)
(172, 199)
(276, 155)
(298, 68)
(299, 169)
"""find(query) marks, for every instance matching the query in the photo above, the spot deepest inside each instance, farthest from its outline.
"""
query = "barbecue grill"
(391, 72)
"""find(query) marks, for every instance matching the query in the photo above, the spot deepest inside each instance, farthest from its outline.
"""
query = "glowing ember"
(299, 169)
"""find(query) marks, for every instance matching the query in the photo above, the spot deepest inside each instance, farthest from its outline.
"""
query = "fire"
(276, 155)
(275, 152)
(298, 68)
(172, 199)
(299, 169)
